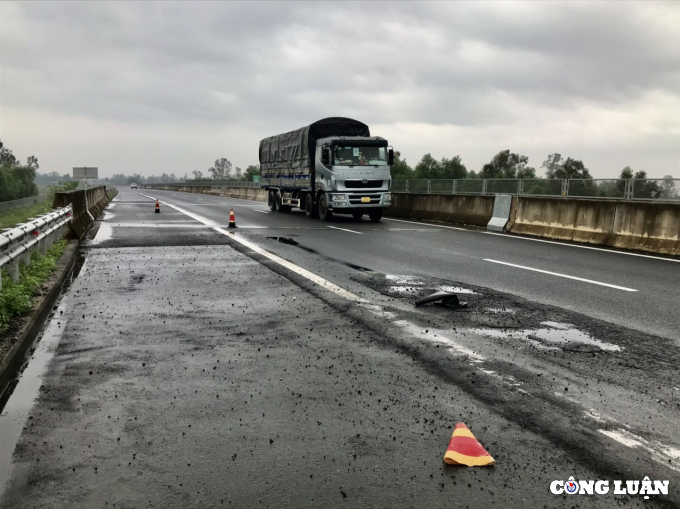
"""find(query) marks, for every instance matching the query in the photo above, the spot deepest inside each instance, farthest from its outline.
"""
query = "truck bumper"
(351, 202)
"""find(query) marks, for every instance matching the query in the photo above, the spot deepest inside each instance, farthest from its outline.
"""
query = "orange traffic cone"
(464, 449)
(158, 207)
(232, 219)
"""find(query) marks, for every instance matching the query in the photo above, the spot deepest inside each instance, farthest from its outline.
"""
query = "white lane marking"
(427, 224)
(584, 247)
(263, 211)
(562, 275)
(454, 346)
(284, 263)
(659, 452)
(345, 230)
(291, 266)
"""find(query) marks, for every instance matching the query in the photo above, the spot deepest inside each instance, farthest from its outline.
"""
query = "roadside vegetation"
(16, 299)
(12, 217)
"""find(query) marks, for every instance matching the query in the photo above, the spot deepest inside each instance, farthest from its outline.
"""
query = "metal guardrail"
(601, 189)
(16, 244)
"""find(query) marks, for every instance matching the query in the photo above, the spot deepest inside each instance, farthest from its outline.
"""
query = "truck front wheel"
(375, 215)
(325, 214)
(310, 209)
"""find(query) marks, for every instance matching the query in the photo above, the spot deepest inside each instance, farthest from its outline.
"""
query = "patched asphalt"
(189, 371)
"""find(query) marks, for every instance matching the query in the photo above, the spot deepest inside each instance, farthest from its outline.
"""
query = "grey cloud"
(271, 66)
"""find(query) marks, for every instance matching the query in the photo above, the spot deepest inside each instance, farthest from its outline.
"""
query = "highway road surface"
(284, 364)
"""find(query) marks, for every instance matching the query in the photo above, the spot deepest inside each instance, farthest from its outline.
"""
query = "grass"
(12, 217)
(16, 298)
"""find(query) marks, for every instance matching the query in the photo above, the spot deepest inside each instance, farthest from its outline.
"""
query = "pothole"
(358, 267)
(285, 240)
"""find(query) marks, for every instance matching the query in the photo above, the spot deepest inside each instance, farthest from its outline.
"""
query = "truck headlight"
(387, 197)
(338, 197)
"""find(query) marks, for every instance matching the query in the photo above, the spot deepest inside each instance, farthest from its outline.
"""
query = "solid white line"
(562, 275)
(584, 247)
(263, 211)
(291, 266)
(427, 224)
(345, 230)
(284, 263)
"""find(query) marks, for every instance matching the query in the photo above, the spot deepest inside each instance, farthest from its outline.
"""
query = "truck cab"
(354, 172)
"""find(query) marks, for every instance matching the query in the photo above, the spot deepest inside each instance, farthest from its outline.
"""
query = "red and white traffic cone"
(232, 219)
(465, 449)
(158, 207)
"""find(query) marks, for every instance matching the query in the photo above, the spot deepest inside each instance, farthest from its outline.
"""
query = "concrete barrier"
(588, 221)
(640, 226)
(472, 210)
(244, 193)
(86, 205)
(653, 227)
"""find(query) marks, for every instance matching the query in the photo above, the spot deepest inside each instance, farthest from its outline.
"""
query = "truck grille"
(358, 184)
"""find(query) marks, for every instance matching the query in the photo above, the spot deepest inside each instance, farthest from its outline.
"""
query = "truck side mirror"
(390, 157)
(326, 155)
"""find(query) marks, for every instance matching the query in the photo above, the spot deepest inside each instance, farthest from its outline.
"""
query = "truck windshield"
(359, 156)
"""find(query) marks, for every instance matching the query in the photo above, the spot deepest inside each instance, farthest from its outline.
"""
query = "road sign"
(256, 178)
(86, 173)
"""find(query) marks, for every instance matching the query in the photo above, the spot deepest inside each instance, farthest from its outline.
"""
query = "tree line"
(509, 165)
(17, 180)
(222, 169)
(504, 165)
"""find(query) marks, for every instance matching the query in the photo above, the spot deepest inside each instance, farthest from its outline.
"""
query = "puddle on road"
(404, 289)
(500, 310)
(104, 233)
(403, 280)
(410, 284)
(556, 336)
(15, 413)
(456, 289)
(108, 216)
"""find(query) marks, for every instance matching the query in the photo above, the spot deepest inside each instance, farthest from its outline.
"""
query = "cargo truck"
(333, 166)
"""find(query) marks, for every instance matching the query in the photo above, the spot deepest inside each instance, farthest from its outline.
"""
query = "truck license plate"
(365, 199)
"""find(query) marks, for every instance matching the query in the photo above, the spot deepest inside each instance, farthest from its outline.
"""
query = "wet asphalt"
(184, 369)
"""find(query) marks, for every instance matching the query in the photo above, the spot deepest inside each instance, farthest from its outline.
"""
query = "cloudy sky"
(169, 87)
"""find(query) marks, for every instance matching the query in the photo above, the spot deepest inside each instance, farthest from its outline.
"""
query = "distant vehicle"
(333, 166)
(133, 186)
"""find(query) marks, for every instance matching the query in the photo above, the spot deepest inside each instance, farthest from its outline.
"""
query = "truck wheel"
(357, 215)
(325, 214)
(310, 209)
(272, 201)
(375, 215)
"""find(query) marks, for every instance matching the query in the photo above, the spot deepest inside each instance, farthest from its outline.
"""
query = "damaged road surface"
(193, 368)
